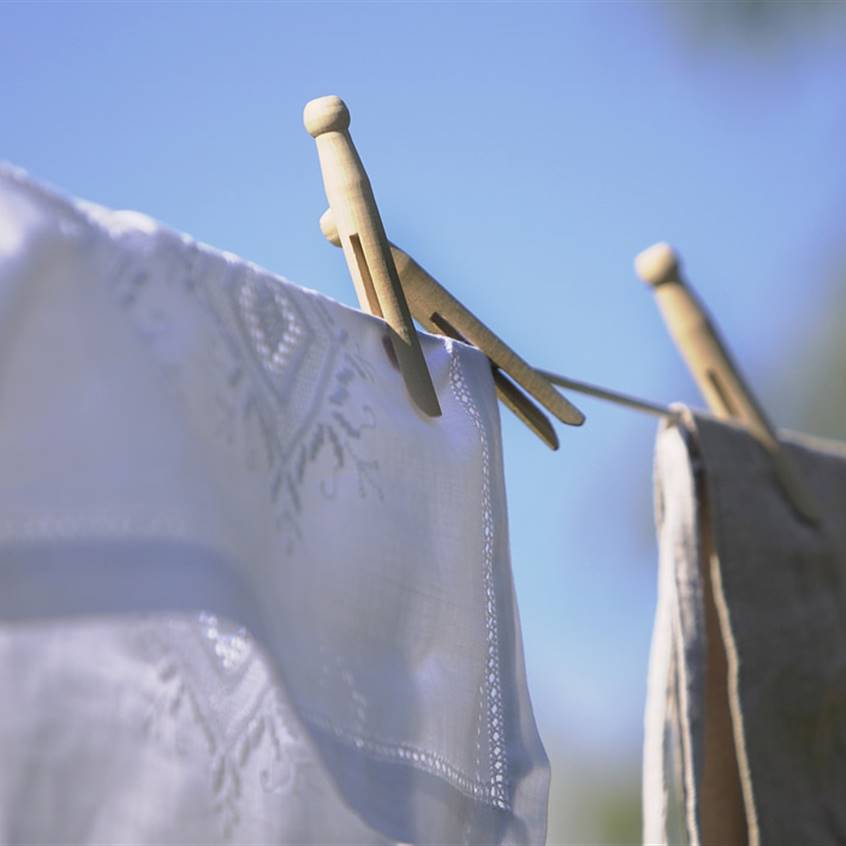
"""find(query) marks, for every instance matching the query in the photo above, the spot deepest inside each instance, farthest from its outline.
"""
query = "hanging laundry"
(746, 703)
(248, 592)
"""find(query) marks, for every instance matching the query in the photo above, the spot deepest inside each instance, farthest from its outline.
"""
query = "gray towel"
(746, 704)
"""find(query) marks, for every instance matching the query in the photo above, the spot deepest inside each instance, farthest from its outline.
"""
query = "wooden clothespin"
(440, 312)
(365, 245)
(718, 377)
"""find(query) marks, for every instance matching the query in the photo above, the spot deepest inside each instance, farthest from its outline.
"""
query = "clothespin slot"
(439, 311)
(365, 245)
(712, 366)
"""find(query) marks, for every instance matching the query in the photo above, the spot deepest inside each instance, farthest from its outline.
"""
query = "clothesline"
(610, 396)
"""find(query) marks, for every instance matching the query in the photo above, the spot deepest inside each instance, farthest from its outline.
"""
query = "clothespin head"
(440, 312)
(365, 244)
(712, 366)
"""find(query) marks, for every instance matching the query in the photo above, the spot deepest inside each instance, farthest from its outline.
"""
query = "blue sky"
(523, 153)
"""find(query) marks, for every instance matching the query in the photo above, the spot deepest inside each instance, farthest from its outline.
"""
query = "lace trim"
(495, 791)
(432, 763)
(498, 785)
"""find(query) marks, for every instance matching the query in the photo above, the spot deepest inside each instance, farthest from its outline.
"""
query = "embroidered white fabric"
(247, 592)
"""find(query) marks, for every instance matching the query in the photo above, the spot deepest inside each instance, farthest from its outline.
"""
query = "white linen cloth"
(747, 686)
(247, 592)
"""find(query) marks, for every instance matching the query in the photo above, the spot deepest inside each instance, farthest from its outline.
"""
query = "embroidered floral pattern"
(270, 339)
(265, 339)
(254, 745)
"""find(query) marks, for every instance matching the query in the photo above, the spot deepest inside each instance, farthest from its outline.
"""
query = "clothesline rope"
(610, 396)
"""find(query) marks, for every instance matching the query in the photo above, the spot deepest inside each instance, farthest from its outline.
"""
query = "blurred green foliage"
(822, 360)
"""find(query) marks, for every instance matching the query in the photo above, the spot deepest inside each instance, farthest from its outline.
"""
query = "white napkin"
(182, 432)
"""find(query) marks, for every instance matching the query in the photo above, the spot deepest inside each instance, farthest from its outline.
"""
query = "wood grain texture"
(440, 312)
(365, 245)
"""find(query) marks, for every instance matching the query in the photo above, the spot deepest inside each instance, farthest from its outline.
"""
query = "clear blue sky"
(524, 153)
